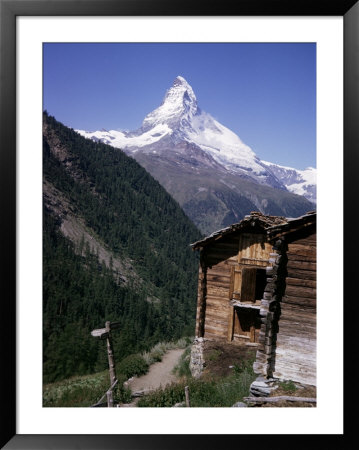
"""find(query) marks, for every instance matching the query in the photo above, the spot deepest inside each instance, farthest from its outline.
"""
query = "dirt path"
(159, 374)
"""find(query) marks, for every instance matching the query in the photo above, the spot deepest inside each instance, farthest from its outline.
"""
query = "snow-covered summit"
(180, 120)
(178, 105)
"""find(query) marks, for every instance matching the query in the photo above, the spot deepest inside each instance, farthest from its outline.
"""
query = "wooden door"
(246, 325)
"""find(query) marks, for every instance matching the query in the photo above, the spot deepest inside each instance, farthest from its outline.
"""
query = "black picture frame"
(9, 10)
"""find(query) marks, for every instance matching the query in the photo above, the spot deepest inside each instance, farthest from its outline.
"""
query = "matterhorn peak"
(179, 81)
(180, 87)
(178, 130)
(179, 103)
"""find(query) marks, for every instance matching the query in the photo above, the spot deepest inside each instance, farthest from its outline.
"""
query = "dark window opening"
(253, 284)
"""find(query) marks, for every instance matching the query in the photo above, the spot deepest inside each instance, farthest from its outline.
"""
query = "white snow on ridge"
(300, 182)
(308, 175)
(122, 140)
(179, 118)
(224, 145)
(179, 104)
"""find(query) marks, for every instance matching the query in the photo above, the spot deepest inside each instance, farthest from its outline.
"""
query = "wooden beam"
(280, 398)
(202, 299)
(231, 309)
(111, 360)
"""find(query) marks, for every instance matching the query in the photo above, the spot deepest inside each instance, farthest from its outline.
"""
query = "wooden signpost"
(105, 333)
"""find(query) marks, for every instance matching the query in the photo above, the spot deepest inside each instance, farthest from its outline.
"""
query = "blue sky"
(266, 93)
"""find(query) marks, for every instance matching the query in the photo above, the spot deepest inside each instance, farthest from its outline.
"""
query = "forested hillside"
(133, 219)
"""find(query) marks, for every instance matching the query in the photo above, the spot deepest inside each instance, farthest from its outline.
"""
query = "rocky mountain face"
(301, 182)
(206, 167)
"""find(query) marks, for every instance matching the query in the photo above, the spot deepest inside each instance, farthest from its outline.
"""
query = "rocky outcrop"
(262, 387)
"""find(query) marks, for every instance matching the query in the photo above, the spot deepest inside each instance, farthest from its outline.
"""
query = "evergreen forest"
(128, 210)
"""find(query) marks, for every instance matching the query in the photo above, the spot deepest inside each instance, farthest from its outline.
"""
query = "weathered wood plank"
(220, 314)
(298, 320)
(302, 265)
(221, 270)
(305, 333)
(216, 278)
(303, 274)
(300, 301)
(299, 360)
(218, 298)
(301, 282)
(217, 321)
(217, 325)
(300, 291)
(214, 310)
(287, 367)
(295, 341)
(216, 294)
(291, 360)
(297, 257)
(309, 240)
(297, 313)
(213, 285)
(212, 336)
(217, 308)
(217, 331)
(280, 398)
(302, 249)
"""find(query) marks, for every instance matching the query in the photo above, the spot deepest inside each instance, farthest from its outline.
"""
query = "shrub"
(288, 386)
(214, 355)
(222, 392)
(132, 365)
(122, 394)
(157, 352)
(156, 356)
(167, 397)
(182, 368)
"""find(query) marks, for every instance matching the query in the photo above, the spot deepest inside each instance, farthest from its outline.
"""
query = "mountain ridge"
(180, 136)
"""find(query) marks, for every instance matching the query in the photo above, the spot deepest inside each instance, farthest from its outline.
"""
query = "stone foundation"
(196, 364)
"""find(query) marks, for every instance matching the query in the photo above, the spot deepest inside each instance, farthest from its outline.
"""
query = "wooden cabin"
(257, 287)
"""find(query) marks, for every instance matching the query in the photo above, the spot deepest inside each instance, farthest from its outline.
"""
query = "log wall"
(218, 280)
(219, 259)
(295, 356)
(286, 334)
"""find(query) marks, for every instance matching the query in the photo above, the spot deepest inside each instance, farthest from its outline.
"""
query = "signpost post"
(105, 333)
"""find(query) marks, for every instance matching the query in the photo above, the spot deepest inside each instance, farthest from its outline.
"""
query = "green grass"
(219, 392)
(288, 386)
(182, 368)
(157, 352)
(84, 391)
(76, 391)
